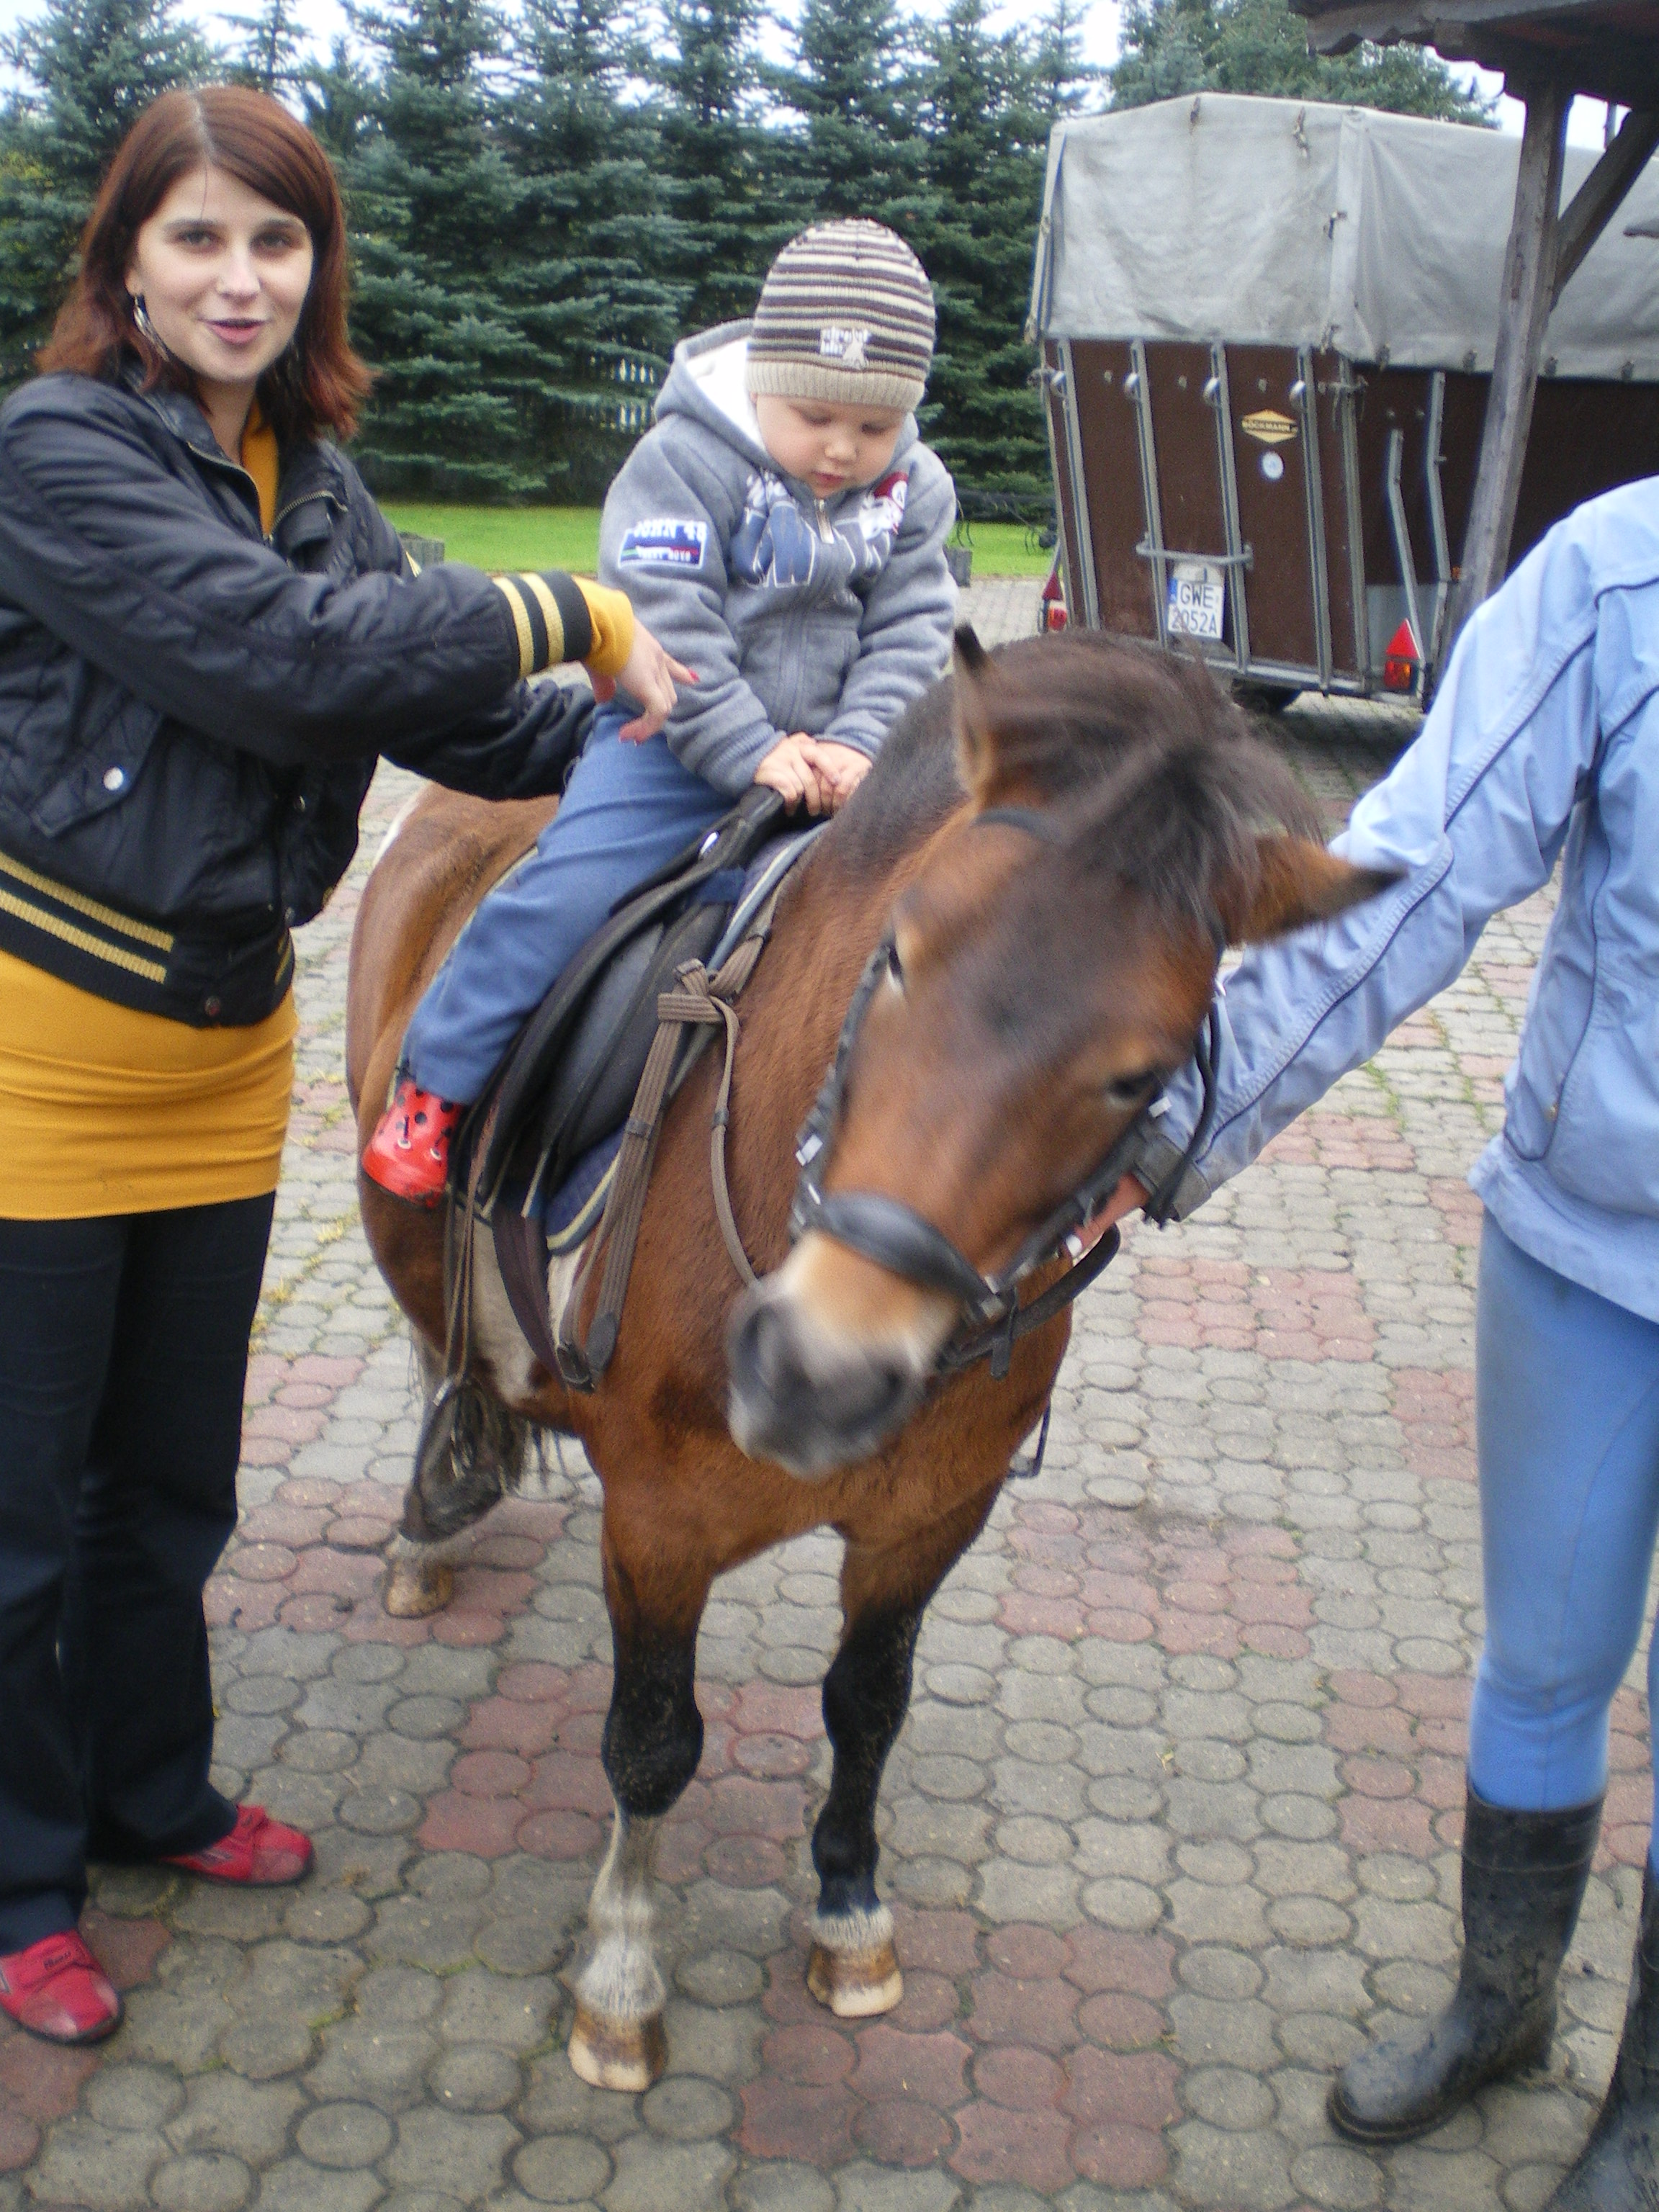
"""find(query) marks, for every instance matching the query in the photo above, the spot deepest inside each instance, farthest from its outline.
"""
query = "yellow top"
(104, 1109)
(259, 458)
(612, 617)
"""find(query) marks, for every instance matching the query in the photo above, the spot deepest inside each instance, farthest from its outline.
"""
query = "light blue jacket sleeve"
(1474, 813)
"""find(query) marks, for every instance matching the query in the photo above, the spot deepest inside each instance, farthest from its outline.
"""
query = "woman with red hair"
(208, 633)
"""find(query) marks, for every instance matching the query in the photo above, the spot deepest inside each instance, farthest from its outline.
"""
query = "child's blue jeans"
(628, 810)
(1567, 1424)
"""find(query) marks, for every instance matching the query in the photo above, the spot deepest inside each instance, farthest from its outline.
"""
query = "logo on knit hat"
(847, 346)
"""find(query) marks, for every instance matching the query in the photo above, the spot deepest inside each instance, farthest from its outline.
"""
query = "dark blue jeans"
(122, 1353)
(628, 810)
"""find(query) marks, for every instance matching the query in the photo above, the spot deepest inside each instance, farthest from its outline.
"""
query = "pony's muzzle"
(802, 1398)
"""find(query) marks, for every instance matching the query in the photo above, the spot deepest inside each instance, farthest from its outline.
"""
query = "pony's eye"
(1125, 1090)
(895, 967)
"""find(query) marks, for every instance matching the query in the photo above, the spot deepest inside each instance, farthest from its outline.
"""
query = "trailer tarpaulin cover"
(1273, 223)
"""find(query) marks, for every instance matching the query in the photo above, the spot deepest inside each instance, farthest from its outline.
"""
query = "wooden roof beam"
(1593, 205)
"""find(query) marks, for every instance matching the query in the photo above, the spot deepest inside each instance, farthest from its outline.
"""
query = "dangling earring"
(140, 318)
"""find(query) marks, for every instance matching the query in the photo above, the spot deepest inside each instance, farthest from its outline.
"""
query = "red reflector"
(1055, 612)
(1403, 661)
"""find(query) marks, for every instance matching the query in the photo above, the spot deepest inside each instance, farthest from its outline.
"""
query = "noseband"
(898, 1238)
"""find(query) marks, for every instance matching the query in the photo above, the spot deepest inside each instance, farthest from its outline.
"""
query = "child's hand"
(648, 675)
(789, 768)
(841, 768)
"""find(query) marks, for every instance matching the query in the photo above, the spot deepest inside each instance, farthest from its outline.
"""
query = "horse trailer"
(1267, 333)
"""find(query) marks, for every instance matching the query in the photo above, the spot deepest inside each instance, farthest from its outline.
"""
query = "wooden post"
(1524, 310)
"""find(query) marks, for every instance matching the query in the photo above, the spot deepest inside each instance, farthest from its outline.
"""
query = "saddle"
(536, 1159)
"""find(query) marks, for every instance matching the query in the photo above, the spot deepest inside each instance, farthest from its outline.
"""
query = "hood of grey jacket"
(825, 616)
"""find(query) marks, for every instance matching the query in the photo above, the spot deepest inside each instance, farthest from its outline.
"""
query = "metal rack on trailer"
(1266, 335)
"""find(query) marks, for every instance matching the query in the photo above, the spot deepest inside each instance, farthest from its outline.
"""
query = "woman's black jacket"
(190, 713)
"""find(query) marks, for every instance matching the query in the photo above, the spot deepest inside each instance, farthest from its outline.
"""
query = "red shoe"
(57, 1990)
(409, 1152)
(259, 1851)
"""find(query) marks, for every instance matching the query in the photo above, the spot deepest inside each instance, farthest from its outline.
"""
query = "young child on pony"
(782, 531)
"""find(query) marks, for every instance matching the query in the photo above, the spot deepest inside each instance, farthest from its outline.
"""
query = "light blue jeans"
(1567, 1425)
(627, 810)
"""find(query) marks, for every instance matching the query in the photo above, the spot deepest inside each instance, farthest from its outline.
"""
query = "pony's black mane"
(1155, 774)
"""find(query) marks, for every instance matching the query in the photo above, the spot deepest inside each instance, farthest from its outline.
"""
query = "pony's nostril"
(784, 1408)
(863, 1401)
(758, 1349)
(776, 1363)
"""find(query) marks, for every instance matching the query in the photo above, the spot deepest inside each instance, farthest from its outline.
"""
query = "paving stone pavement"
(1172, 1824)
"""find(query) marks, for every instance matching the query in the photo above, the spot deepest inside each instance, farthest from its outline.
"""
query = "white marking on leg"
(620, 1986)
(853, 1968)
(497, 1338)
(854, 1933)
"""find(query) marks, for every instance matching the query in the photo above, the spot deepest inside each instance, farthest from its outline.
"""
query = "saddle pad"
(531, 1224)
(567, 1080)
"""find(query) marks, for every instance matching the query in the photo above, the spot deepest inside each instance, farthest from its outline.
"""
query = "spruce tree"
(1171, 47)
(434, 214)
(90, 68)
(590, 287)
(720, 168)
(987, 107)
(1059, 77)
(852, 84)
(271, 56)
(338, 100)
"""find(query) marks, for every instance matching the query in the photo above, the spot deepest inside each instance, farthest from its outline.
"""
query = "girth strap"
(700, 1000)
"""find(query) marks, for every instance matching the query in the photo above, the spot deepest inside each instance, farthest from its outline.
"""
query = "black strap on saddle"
(685, 1015)
(570, 1077)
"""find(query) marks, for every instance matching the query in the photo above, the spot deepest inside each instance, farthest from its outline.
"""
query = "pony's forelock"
(1155, 774)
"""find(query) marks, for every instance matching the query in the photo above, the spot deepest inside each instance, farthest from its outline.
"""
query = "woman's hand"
(790, 769)
(1129, 1193)
(648, 675)
(841, 768)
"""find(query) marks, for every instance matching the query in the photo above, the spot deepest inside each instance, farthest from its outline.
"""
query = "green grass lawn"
(568, 537)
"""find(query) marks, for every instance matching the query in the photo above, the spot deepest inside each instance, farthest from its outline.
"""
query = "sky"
(324, 17)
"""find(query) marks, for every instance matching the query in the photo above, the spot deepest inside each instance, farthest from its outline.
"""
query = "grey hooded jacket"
(797, 614)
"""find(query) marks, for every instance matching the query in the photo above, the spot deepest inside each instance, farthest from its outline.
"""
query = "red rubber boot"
(409, 1152)
(57, 1990)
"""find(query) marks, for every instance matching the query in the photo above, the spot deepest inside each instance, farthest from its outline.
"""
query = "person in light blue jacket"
(1543, 745)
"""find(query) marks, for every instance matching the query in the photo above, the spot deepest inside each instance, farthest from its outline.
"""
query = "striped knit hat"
(846, 313)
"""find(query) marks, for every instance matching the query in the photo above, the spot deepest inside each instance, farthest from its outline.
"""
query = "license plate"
(1198, 600)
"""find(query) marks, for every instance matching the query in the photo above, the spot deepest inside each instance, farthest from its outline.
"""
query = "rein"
(899, 1239)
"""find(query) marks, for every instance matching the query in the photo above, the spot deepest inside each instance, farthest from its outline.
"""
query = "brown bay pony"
(1042, 969)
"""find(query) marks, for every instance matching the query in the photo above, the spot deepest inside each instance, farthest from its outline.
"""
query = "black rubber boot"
(1523, 1882)
(1617, 2169)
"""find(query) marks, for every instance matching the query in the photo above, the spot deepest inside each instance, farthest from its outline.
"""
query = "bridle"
(898, 1238)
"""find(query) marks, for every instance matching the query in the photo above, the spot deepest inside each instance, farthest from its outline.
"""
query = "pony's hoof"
(628, 2054)
(855, 1984)
(415, 1588)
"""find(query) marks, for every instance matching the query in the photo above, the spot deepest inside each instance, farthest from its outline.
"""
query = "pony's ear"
(975, 740)
(1296, 881)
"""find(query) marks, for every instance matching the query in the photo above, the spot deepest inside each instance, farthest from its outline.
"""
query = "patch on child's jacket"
(881, 511)
(663, 541)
